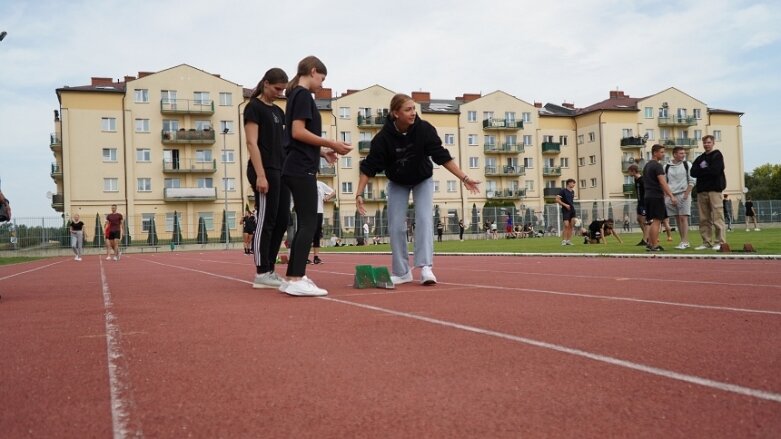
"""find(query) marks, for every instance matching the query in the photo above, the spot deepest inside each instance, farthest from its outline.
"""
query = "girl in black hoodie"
(404, 149)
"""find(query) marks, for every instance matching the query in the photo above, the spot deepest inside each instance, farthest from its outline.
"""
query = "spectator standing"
(728, 212)
(681, 184)
(656, 189)
(708, 169)
(440, 230)
(634, 172)
(751, 215)
(461, 230)
(566, 199)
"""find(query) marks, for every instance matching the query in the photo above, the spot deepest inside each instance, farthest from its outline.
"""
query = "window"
(681, 113)
(208, 220)
(529, 185)
(451, 185)
(202, 125)
(347, 187)
(226, 124)
(144, 184)
(110, 185)
(593, 182)
(527, 139)
(664, 133)
(488, 115)
(648, 112)
(528, 162)
(490, 163)
(436, 186)
(143, 155)
(172, 183)
(142, 125)
(582, 184)
(170, 125)
(592, 160)
(141, 95)
(474, 162)
(231, 219)
(628, 179)
(229, 184)
(580, 139)
(203, 155)
(108, 124)
(471, 139)
(512, 139)
(698, 134)
(510, 116)
(344, 112)
(663, 112)
(345, 136)
(168, 96)
(109, 154)
(226, 99)
(549, 162)
(450, 139)
(563, 140)
(527, 117)
(564, 162)
(228, 156)
(626, 132)
(471, 116)
(650, 133)
(697, 113)
(591, 136)
(547, 139)
(169, 222)
(201, 97)
(204, 182)
(146, 221)
(489, 139)
(717, 135)
(347, 162)
(348, 221)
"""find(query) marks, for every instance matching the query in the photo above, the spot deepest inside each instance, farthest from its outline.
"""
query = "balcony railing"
(502, 124)
(190, 194)
(506, 194)
(627, 163)
(377, 196)
(186, 106)
(364, 145)
(632, 142)
(677, 121)
(189, 166)
(550, 192)
(370, 121)
(56, 171)
(55, 143)
(551, 147)
(685, 143)
(629, 188)
(327, 170)
(504, 148)
(504, 171)
(551, 171)
(188, 136)
(58, 202)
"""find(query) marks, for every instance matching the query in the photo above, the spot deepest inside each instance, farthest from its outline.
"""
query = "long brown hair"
(397, 101)
(304, 67)
(274, 75)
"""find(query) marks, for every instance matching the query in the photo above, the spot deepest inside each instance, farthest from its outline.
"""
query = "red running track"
(180, 345)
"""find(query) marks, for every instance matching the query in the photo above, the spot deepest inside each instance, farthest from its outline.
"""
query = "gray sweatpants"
(398, 204)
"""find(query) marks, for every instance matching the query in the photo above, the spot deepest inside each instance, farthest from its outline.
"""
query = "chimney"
(538, 105)
(102, 81)
(129, 78)
(469, 97)
(571, 106)
(324, 93)
(421, 96)
(142, 74)
(617, 94)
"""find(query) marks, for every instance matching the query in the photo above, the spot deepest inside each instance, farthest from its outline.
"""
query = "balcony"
(327, 171)
(56, 171)
(504, 148)
(627, 163)
(684, 143)
(186, 106)
(55, 143)
(632, 142)
(364, 146)
(504, 171)
(371, 121)
(377, 197)
(190, 194)
(58, 202)
(551, 171)
(205, 137)
(677, 121)
(189, 166)
(505, 194)
(550, 193)
(551, 147)
(629, 189)
(502, 124)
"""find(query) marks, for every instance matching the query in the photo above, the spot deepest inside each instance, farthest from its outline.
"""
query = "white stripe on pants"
(398, 204)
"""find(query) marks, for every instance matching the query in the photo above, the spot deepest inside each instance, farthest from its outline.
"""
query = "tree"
(203, 237)
(224, 231)
(176, 237)
(151, 239)
(764, 183)
(100, 238)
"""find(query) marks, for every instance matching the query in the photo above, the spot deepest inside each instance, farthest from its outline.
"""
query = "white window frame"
(592, 137)
(471, 116)
(527, 117)
(229, 184)
(451, 185)
(143, 184)
(563, 140)
(208, 220)
(648, 112)
(527, 140)
(436, 186)
(143, 155)
(172, 182)
(450, 139)
(581, 161)
(592, 159)
(203, 156)
(111, 184)
(203, 125)
(142, 125)
(593, 182)
(109, 155)
(529, 185)
(226, 99)
(344, 112)
(201, 97)
(228, 156)
(347, 162)
(474, 162)
(697, 112)
(141, 96)
(528, 162)
(108, 124)
(651, 134)
(471, 140)
(203, 182)
(564, 162)
(347, 187)
(226, 124)
(717, 135)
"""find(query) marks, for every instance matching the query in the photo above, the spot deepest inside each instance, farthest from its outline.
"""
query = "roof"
(720, 111)
(620, 103)
(557, 110)
(441, 106)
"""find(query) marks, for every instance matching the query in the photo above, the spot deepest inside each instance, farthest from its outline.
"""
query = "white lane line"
(746, 391)
(200, 271)
(693, 379)
(118, 374)
(30, 270)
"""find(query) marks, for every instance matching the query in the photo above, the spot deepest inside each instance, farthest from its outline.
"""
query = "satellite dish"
(745, 190)
(49, 194)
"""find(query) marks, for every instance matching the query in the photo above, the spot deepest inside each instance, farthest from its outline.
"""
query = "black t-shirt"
(640, 190)
(568, 197)
(75, 226)
(271, 131)
(651, 173)
(302, 159)
(749, 208)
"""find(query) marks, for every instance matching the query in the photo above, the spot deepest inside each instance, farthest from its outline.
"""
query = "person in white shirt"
(681, 184)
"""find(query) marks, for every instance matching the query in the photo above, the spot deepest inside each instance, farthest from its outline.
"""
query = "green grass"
(766, 242)
(16, 260)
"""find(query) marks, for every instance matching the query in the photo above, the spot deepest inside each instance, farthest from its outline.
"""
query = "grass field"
(766, 242)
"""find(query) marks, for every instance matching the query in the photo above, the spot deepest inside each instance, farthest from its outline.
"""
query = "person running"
(299, 172)
(404, 148)
(76, 228)
(566, 199)
(264, 128)
(114, 226)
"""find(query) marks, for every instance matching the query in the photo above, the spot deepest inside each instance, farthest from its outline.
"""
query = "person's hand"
(567, 206)
(685, 195)
(472, 185)
(674, 200)
(359, 205)
(261, 184)
(341, 148)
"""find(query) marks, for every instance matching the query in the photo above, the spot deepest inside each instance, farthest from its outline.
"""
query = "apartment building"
(170, 144)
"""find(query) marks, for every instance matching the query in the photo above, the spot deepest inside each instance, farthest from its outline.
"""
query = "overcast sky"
(724, 53)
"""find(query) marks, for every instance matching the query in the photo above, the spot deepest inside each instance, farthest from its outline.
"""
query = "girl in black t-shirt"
(299, 172)
(76, 228)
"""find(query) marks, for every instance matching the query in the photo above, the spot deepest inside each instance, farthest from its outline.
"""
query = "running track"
(179, 345)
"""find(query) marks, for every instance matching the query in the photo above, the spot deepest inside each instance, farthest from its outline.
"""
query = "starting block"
(282, 259)
(748, 248)
(367, 276)
(724, 248)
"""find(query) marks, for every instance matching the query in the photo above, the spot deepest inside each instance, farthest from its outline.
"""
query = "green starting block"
(367, 276)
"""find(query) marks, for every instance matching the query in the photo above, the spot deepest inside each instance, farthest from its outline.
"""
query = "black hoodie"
(708, 169)
(405, 157)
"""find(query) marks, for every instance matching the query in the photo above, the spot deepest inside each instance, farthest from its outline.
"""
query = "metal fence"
(51, 232)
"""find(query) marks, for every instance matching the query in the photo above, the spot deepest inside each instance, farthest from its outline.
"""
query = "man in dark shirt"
(708, 169)
(114, 225)
(655, 183)
(566, 199)
(637, 175)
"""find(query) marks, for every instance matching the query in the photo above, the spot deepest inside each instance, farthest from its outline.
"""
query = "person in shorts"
(656, 189)
(114, 226)
(566, 199)
(681, 183)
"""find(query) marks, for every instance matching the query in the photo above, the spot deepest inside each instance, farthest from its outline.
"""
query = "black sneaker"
(642, 243)
(656, 249)
(308, 262)
(317, 260)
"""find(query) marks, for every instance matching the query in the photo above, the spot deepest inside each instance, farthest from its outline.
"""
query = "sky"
(724, 53)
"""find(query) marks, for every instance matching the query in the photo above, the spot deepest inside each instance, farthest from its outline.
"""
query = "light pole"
(225, 185)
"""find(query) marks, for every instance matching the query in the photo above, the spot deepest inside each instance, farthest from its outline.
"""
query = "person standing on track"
(76, 228)
(114, 226)
(248, 226)
(656, 189)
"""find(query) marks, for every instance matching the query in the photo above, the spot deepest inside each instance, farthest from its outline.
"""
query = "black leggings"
(304, 191)
(272, 220)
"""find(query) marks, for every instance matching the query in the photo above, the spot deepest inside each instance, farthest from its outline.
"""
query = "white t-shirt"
(322, 191)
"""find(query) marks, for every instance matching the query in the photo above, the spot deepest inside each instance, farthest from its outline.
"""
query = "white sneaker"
(748, 230)
(564, 242)
(402, 279)
(756, 230)
(682, 246)
(716, 247)
(427, 276)
(75, 258)
(267, 280)
(304, 287)
(702, 247)
(116, 258)
(108, 258)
